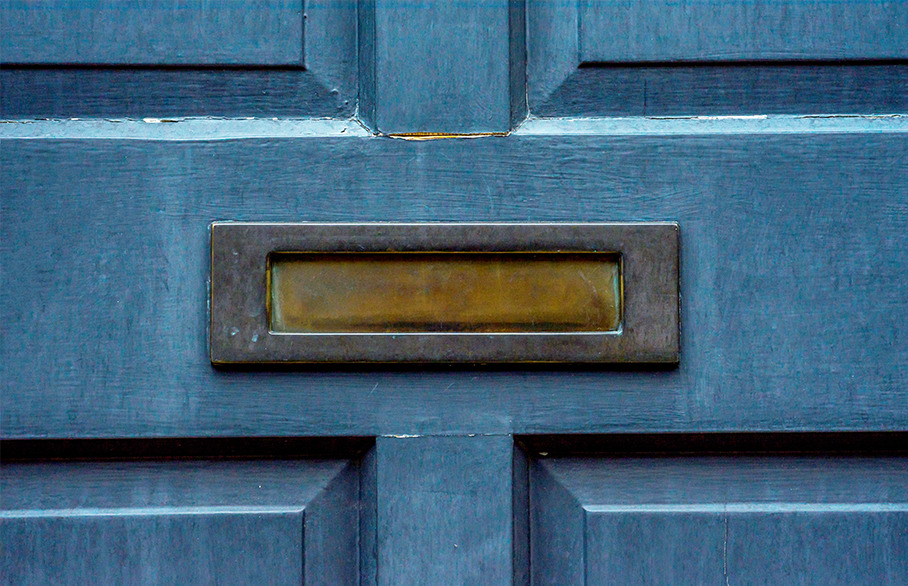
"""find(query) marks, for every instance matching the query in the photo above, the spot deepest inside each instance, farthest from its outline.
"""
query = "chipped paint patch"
(441, 135)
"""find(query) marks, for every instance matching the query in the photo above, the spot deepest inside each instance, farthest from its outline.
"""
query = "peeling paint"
(441, 135)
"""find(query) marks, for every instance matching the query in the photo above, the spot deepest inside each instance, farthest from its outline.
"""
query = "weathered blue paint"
(626, 31)
(729, 90)
(237, 522)
(444, 510)
(794, 314)
(732, 520)
(583, 62)
(110, 237)
(188, 80)
(152, 32)
(452, 67)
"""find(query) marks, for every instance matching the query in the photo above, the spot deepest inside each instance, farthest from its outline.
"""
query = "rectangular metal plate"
(323, 293)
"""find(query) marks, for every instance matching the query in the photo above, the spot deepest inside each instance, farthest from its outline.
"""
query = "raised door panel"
(153, 32)
(631, 31)
(694, 520)
(698, 58)
(170, 59)
(193, 521)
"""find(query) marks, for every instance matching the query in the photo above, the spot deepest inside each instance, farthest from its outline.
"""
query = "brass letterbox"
(475, 293)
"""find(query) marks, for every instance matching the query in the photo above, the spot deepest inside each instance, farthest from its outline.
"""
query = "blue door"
(772, 132)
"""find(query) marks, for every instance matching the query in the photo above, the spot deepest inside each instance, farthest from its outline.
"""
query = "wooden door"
(773, 133)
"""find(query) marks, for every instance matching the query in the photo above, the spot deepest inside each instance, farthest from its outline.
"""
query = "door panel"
(762, 30)
(783, 164)
(172, 59)
(169, 32)
(793, 248)
(715, 58)
(228, 522)
(185, 546)
(754, 520)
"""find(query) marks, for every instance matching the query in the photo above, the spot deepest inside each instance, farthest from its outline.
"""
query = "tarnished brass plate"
(424, 292)
(475, 293)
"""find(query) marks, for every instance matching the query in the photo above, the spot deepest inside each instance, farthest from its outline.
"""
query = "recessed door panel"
(695, 58)
(170, 59)
(281, 521)
(657, 520)
(626, 31)
(157, 32)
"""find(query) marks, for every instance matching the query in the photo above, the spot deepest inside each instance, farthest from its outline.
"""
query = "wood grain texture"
(854, 544)
(706, 30)
(553, 50)
(794, 311)
(729, 89)
(719, 519)
(163, 93)
(126, 547)
(566, 79)
(557, 551)
(165, 522)
(517, 60)
(368, 519)
(323, 84)
(444, 510)
(520, 508)
(793, 251)
(366, 70)
(440, 66)
(152, 32)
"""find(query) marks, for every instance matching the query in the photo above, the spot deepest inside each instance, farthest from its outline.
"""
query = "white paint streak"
(711, 125)
(180, 129)
(147, 511)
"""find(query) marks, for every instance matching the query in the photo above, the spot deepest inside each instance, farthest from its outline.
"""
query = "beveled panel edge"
(320, 83)
(239, 333)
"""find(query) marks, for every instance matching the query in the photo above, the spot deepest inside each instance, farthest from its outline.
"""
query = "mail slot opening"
(444, 292)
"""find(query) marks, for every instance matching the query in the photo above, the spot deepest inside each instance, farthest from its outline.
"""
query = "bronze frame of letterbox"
(649, 255)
